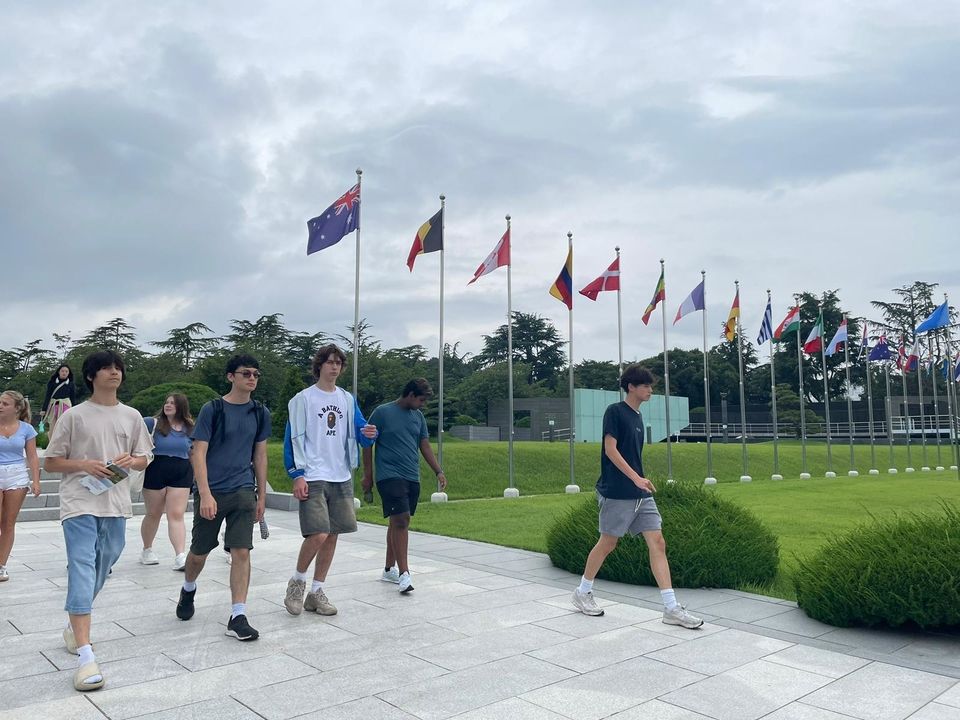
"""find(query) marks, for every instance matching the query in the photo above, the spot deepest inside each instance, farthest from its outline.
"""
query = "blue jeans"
(93, 544)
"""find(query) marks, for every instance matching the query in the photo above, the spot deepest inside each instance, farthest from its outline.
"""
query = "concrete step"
(53, 513)
(50, 486)
(42, 500)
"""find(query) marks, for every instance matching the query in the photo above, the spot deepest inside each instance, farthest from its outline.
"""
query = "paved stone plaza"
(489, 632)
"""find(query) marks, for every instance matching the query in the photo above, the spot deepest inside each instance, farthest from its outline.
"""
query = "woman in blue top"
(19, 467)
(167, 483)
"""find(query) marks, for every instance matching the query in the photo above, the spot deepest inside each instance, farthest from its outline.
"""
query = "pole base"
(892, 471)
(710, 481)
(438, 497)
(873, 471)
(953, 468)
(776, 476)
(511, 492)
(356, 503)
(939, 468)
(572, 489)
(670, 481)
(829, 474)
(804, 476)
(853, 473)
(909, 470)
(746, 478)
(925, 468)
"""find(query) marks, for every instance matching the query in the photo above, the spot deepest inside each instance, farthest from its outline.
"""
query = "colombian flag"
(429, 238)
(659, 295)
(562, 288)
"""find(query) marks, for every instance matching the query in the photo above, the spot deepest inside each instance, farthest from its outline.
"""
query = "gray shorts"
(620, 517)
(328, 509)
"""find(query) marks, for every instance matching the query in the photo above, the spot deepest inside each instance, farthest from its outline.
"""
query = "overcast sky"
(159, 161)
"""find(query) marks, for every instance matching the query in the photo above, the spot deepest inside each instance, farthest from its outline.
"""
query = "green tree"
(597, 375)
(187, 343)
(536, 344)
(116, 334)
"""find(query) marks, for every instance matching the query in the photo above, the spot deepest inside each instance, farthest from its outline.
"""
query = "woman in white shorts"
(19, 467)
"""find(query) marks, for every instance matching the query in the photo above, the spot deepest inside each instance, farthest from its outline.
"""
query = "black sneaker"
(185, 607)
(239, 628)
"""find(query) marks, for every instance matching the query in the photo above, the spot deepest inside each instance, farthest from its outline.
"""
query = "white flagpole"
(666, 377)
(826, 392)
(572, 487)
(773, 398)
(873, 450)
(511, 491)
(745, 476)
(619, 324)
(955, 454)
(852, 472)
(440, 495)
(356, 303)
(906, 408)
(936, 402)
(888, 409)
(923, 420)
(709, 479)
(804, 473)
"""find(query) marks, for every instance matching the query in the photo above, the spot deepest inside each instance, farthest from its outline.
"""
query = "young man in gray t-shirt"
(229, 450)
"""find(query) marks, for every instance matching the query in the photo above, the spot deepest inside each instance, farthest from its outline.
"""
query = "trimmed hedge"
(898, 571)
(710, 542)
(150, 400)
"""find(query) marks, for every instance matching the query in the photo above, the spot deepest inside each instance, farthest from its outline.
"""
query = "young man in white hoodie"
(322, 443)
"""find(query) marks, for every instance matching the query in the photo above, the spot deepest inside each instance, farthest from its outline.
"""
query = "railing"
(555, 434)
(930, 427)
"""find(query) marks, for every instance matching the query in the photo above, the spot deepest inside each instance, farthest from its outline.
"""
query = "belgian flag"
(429, 238)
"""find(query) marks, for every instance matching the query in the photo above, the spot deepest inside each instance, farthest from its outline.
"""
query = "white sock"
(301, 576)
(317, 586)
(585, 585)
(85, 653)
(189, 586)
(669, 599)
(238, 609)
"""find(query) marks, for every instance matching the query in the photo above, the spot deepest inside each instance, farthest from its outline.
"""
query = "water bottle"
(264, 530)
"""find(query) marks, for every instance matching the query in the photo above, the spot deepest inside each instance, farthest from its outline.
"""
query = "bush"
(149, 401)
(710, 542)
(893, 572)
(465, 420)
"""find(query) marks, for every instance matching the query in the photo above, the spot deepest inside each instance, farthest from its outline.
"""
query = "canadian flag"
(498, 257)
(610, 280)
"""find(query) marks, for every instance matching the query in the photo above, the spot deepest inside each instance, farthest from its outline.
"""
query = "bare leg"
(239, 575)
(308, 550)
(605, 545)
(657, 548)
(81, 628)
(10, 503)
(154, 502)
(400, 525)
(391, 558)
(325, 558)
(194, 566)
(176, 503)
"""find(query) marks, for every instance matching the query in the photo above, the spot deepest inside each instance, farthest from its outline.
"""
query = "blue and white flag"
(766, 327)
(939, 318)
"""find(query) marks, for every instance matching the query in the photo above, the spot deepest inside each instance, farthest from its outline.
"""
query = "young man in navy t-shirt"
(626, 499)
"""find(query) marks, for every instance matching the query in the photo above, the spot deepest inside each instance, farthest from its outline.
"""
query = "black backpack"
(217, 425)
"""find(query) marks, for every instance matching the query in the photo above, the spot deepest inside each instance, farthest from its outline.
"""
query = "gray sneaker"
(294, 599)
(391, 576)
(680, 616)
(317, 602)
(585, 603)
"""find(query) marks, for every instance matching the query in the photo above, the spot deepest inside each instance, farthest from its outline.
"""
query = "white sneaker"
(680, 616)
(4, 575)
(149, 557)
(391, 576)
(406, 584)
(585, 603)
(180, 562)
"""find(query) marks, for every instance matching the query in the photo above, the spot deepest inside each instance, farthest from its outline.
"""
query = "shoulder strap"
(151, 423)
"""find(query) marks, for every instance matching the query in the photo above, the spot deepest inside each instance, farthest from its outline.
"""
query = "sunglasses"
(249, 373)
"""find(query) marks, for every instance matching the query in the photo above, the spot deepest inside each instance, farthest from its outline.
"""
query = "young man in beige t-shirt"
(88, 444)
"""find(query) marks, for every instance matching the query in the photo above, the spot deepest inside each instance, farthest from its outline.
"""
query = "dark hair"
(238, 361)
(92, 364)
(635, 375)
(323, 354)
(182, 404)
(55, 378)
(418, 388)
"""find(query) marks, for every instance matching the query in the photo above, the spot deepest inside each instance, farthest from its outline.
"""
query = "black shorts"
(168, 471)
(399, 496)
(238, 508)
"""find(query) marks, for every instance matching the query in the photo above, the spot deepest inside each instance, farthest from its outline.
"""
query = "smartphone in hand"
(117, 473)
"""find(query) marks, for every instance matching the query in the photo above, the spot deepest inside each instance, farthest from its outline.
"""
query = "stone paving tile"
(483, 621)
(801, 711)
(510, 596)
(747, 692)
(600, 650)
(223, 708)
(716, 653)
(53, 639)
(475, 687)
(951, 697)
(368, 708)
(496, 582)
(659, 626)
(657, 710)
(511, 709)
(169, 693)
(944, 650)
(577, 624)
(935, 711)
(491, 646)
(24, 665)
(795, 621)
(7, 629)
(867, 639)
(880, 692)
(335, 687)
(612, 689)
(821, 662)
(747, 609)
(76, 707)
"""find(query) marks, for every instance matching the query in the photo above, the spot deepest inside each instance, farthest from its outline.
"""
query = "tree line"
(194, 354)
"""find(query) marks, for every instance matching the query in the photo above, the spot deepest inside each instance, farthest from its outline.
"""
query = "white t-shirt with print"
(325, 442)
